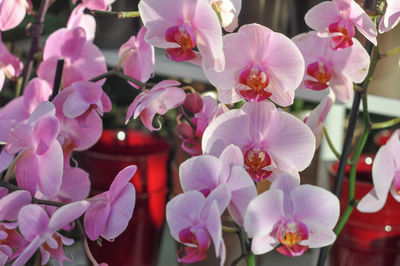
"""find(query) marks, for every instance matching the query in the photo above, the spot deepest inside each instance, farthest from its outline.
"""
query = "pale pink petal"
(318, 236)
(261, 244)
(28, 251)
(371, 202)
(322, 15)
(353, 62)
(263, 213)
(363, 22)
(72, 44)
(75, 184)
(213, 225)
(51, 169)
(341, 86)
(33, 221)
(2, 79)
(209, 36)
(44, 133)
(120, 213)
(180, 210)
(79, 19)
(36, 91)
(288, 134)
(172, 98)
(12, 203)
(121, 181)
(96, 216)
(12, 12)
(95, 4)
(43, 109)
(221, 195)
(20, 137)
(259, 115)
(27, 171)
(322, 206)
(67, 214)
(243, 191)
(229, 128)
(52, 46)
(391, 17)
(232, 155)
(200, 173)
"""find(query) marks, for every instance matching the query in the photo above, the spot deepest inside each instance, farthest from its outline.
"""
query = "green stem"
(330, 143)
(228, 229)
(251, 261)
(391, 52)
(386, 124)
(118, 14)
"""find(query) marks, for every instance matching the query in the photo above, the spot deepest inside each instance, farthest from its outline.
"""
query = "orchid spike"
(293, 216)
(385, 176)
(339, 17)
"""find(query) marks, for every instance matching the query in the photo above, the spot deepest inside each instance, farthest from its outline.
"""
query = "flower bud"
(185, 130)
(193, 102)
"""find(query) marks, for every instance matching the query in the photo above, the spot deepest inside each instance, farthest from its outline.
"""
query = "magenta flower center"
(345, 30)
(185, 36)
(321, 74)
(256, 81)
(255, 161)
(290, 234)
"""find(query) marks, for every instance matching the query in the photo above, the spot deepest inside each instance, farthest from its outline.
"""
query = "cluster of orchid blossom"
(243, 139)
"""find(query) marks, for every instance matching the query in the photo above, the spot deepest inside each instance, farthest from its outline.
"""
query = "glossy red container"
(368, 239)
(139, 244)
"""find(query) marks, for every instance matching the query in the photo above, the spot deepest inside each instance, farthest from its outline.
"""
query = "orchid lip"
(185, 37)
(321, 74)
(256, 161)
(346, 33)
(290, 234)
(255, 81)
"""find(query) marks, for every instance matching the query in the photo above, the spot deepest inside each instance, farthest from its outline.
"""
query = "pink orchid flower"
(83, 97)
(109, 212)
(205, 173)
(12, 203)
(194, 219)
(20, 108)
(40, 162)
(270, 140)
(10, 65)
(385, 176)
(391, 17)
(297, 217)
(79, 19)
(97, 4)
(229, 11)
(180, 26)
(76, 134)
(12, 12)
(164, 96)
(211, 110)
(317, 116)
(83, 60)
(269, 66)
(40, 231)
(326, 67)
(137, 57)
(339, 17)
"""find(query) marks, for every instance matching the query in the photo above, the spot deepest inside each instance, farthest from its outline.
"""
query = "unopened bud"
(185, 130)
(193, 102)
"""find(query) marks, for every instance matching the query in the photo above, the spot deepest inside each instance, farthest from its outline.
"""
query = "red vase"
(139, 244)
(368, 239)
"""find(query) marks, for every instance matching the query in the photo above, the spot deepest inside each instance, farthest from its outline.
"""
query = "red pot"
(139, 244)
(368, 239)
